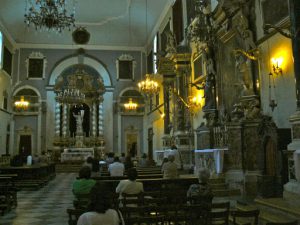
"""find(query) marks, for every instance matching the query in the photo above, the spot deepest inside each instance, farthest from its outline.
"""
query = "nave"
(44, 206)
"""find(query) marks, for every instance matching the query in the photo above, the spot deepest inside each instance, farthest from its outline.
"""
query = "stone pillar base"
(292, 191)
(251, 188)
(235, 179)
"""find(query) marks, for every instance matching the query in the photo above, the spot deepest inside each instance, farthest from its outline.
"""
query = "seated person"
(116, 169)
(130, 186)
(201, 190)
(128, 163)
(88, 162)
(84, 184)
(100, 209)
(169, 169)
(143, 161)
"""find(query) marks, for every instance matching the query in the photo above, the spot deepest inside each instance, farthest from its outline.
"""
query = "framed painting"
(198, 68)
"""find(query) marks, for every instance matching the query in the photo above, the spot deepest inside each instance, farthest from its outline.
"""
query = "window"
(1, 49)
(7, 60)
(178, 21)
(155, 48)
(125, 67)
(36, 65)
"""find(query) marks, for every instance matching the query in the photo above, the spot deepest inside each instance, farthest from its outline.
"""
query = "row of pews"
(14, 179)
(30, 177)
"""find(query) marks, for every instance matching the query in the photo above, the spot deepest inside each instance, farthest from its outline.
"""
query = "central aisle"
(46, 206)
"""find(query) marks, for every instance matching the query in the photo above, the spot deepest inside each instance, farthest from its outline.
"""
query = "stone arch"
(98, 66)
(27, 87)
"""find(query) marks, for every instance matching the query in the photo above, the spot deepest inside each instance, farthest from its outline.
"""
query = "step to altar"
(271, 210)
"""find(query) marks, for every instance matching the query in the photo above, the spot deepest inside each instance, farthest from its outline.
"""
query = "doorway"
(270, 157)
(25, 145)
(131, 144)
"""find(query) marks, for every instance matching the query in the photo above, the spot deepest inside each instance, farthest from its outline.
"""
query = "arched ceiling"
(110, 22)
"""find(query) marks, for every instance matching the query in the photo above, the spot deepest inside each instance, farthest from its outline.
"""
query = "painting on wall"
(197, 67)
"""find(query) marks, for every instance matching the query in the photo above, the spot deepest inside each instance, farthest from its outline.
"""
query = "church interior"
(215, 83)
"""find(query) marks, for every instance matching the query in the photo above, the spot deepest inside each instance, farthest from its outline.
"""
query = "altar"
(76, 154)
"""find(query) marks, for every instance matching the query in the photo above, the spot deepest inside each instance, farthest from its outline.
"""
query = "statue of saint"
(79, 120)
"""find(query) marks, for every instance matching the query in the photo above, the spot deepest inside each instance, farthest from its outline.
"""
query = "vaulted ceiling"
(111, 23)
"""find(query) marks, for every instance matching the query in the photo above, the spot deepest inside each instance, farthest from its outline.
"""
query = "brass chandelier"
(49, 14)
(148, 86)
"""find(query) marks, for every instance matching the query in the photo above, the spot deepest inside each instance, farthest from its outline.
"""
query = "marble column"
(100, 119)
(94, 118)
(65, 117)
(57, 119)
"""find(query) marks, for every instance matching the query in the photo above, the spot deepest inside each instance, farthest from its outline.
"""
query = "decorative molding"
(126, 57)
(86, 47)
(36, 55)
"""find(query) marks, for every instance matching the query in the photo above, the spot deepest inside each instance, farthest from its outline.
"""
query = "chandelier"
(49, 14)
(22, 104)
(70, 96)
(130, 105)
(148, 86)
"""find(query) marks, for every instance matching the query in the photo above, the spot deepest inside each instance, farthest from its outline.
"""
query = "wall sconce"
(162, 115)
(277, 65)
(130, 106)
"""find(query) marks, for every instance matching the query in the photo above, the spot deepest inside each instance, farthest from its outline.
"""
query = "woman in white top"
(130, 186)
(100, 211)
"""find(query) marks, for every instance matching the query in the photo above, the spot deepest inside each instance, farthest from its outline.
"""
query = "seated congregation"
(131, 200)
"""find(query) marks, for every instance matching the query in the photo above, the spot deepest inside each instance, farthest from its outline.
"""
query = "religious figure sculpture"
(79, 120)
(209, 81)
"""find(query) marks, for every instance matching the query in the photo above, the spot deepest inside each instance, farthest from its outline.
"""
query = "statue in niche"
(171, 42)
(209, 81)
(79, 119)
(244, 56)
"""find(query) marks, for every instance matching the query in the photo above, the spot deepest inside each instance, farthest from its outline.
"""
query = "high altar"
(78, 115)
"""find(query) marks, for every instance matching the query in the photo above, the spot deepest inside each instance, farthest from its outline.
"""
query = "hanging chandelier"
(49, 15)
(131, 106)
(22, 104)
(70, 96)
(148, 86)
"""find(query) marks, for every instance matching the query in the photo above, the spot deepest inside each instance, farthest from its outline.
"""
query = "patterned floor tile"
(46, 206)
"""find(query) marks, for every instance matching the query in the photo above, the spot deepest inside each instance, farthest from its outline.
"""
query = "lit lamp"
(277, 65)
(148, 86)
(195, 102)
(22, 104)
(130, 105)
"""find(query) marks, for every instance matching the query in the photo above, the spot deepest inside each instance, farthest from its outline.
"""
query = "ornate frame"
(130, 59)
(37, 56)
(198, 74)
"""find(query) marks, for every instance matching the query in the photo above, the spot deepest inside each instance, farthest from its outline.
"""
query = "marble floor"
(46, 206)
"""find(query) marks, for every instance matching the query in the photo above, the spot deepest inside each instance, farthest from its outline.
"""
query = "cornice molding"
(87, 47)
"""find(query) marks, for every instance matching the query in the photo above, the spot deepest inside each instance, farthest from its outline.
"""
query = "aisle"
(46, 206)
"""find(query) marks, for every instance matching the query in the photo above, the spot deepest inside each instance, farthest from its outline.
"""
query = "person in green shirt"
(83, 184)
